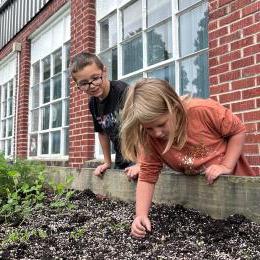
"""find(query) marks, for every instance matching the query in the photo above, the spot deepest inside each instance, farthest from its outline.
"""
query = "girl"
(188, 135)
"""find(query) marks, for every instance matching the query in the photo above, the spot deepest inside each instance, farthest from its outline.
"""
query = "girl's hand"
(214, 170)
(102, 168)
(140, 226)
(132, 172)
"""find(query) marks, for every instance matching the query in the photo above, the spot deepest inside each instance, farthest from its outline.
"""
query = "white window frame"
(117, 6)
(8, 74)
(62, 17)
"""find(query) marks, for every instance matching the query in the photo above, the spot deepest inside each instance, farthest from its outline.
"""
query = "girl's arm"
(144, 195)
(234, 150)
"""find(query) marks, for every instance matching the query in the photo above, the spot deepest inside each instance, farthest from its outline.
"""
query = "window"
(7, 117)
(164, 39)
(167, 39)
(49, 94)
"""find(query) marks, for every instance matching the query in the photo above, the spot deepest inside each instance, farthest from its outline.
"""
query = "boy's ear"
(105, 71)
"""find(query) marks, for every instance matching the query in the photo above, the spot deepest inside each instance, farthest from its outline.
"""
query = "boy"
(105, 103)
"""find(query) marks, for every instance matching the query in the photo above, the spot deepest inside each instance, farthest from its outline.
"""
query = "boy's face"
(91, 79)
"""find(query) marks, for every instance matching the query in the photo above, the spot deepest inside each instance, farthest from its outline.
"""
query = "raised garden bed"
(98, 228)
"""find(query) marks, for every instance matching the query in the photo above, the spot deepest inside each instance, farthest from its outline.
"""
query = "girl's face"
(159, 128)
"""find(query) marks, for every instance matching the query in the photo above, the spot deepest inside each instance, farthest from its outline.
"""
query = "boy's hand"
(132, 172)
(140, 226)
(101, 169)
(214, 170)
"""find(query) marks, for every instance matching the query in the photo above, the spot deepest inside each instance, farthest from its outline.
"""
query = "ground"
(98, 228)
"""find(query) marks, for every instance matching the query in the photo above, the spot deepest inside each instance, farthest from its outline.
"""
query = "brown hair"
(145, 102)
(83, 59)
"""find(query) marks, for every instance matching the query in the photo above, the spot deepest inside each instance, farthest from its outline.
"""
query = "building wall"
(234, 65)
(83, 17)
(234, 72)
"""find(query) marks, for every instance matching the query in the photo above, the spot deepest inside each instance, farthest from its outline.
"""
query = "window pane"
(34, 120)
(194, 76)
(56, 142)
(46, 68)
(2, 147)
(57, 114)
(4, 108)
(3, 132)
(57, 87)
(132, 19)
(67, 55)
(36, 73)
(158, 11)
(67, 112)
(67, 83)
(57, 59)
(9, 147)
(45, 143)
(193, 30)
(35, 96)
(10, 127)
(165, 73)
(159, 42)
(108, 32)
(33, 145)
(109, 58)
(46, 91)
(186, 3)
(132, 55)
(66, 141)
(45, 117)
(10, 106)
(11, 88)
(132, 80)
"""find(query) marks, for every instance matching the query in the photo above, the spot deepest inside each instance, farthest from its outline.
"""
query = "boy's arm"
(105, 144)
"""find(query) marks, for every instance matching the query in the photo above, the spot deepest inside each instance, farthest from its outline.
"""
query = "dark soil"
(98, 228)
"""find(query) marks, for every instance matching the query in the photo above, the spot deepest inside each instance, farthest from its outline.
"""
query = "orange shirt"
(208, 129)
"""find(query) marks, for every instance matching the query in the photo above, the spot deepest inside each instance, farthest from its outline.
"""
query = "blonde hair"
(145, 102)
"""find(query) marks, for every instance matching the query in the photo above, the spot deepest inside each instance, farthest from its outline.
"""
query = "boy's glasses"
(86, 85)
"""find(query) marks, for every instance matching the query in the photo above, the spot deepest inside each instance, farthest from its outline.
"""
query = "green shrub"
(22, 187)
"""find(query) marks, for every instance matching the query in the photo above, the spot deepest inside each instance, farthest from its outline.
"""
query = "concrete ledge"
(227, 196)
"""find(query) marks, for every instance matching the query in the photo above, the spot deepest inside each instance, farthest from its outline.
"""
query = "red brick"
(243, 83)
(242, 43)
(234, 96)
(250, 149)
(253, 160)
(213, 62)
(251, 127)
(250, 9)
(235, 55)
(230, 18)
(251, 71)
(222, 88)
(213, 44)
(219, 69)
(251, 50)
(241, 24)
(233, 75)
(218, 51)
(230, 38)
(242, 63)
(218, 13)
(213, 80)
(224, 2)
(213, 25)
(252, 116)
(218, 33)
(244, 105)
(255, 28)
(238, 4)
(250, 93)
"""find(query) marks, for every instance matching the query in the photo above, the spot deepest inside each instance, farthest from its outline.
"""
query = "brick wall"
(81, 135)
(234, 64)
(24, 70)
